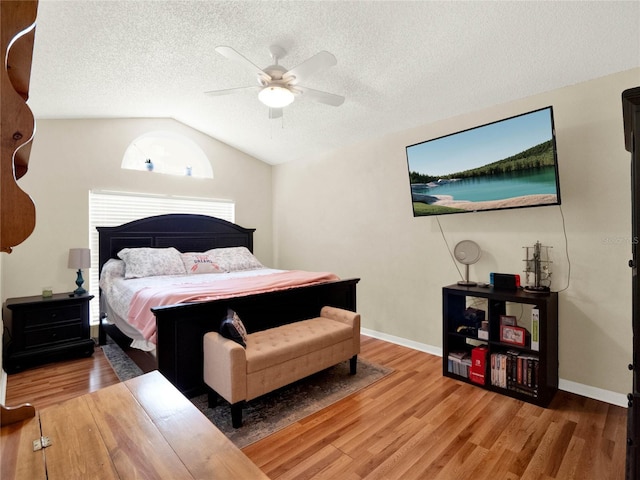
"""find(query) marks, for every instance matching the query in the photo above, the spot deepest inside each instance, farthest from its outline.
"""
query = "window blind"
(109, 209)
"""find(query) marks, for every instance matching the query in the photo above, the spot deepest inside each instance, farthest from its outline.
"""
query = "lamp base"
(79, 281)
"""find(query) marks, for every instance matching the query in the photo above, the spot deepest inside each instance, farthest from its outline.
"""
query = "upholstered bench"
(278, 356)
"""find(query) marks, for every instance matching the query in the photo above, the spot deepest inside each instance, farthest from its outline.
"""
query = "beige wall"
(351, 213)
(71, 157)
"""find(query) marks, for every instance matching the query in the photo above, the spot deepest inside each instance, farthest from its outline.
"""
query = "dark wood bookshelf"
(456, 299)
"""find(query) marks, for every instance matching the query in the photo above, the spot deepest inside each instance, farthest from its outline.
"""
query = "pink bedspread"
(141, 317)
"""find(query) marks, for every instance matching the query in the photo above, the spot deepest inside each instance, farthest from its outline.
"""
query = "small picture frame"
(508, 320)
(513, 335)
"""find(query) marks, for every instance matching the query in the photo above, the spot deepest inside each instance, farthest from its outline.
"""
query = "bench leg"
(353, 364)
(212, 398)
(236, 415)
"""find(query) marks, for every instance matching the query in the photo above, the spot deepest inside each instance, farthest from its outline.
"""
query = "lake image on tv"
(506, 164)
(500, 186)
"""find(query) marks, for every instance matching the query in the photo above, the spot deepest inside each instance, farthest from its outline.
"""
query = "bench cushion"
(281, 344)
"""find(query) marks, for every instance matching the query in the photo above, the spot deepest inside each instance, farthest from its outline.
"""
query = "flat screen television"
(510, 163)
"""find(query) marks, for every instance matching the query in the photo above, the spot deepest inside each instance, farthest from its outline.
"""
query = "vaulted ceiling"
(400, 64)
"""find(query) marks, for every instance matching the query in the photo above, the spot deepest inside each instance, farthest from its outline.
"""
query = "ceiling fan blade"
(320, 60)
(229, 91)
(233, 55)
(275, 113)
(319, 96)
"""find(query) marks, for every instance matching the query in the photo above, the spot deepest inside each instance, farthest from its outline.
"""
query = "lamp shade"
(79, 258)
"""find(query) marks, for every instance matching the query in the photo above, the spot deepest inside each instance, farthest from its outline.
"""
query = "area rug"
(124, 367)
(276, 410)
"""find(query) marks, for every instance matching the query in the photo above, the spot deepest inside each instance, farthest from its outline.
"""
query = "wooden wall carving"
(17, 125)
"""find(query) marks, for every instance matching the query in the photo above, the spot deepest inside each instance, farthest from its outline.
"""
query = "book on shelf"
(535, 329)
(459, 363)
(478, 365)
(515, 371)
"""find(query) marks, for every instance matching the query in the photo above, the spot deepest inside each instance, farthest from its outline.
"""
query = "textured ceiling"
(400, 64)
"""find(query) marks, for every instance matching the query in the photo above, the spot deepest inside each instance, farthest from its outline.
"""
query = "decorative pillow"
(235, 259)
(148, 262)
(201, 263)
(233, 328)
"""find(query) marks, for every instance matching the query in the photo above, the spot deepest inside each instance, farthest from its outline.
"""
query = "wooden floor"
(413, 424)
(56, 382)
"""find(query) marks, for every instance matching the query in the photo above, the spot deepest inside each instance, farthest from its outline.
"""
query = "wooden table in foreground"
(142, 428)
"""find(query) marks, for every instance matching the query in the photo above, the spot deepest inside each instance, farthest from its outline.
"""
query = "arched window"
(169, 153)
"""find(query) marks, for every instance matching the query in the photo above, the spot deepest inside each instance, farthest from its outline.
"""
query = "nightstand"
(43, 329)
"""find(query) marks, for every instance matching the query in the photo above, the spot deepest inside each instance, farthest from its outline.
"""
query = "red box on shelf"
(478, 365)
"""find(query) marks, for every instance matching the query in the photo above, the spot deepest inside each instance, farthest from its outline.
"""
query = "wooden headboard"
(185, 232)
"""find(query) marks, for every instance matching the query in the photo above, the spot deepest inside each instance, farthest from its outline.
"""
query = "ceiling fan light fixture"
(275, 96)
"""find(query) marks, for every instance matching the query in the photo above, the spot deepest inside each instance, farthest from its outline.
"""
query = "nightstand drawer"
(50, 315)
(61, 332)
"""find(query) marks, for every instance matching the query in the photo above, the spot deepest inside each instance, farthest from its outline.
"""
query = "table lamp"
(79, 258)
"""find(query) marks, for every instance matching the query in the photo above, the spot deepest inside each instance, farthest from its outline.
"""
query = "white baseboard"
(423, 347)
(3, 387)
(588, 391)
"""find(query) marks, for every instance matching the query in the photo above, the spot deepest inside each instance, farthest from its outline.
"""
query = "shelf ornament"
(538, 266)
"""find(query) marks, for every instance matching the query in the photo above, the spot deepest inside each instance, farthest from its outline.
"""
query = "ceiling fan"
(277, 87)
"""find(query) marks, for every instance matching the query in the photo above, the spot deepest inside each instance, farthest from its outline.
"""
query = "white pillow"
(111, 270)
(201, 263)
(148, 262)
(235, 259)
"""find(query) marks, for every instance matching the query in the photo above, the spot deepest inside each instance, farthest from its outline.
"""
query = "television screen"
(510, 163)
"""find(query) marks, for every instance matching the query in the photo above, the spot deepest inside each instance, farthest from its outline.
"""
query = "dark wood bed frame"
(180, 327)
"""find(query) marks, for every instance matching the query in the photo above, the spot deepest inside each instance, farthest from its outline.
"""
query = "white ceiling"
(400, 64)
